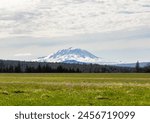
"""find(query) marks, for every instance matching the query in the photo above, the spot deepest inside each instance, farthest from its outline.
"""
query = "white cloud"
(43, 26)
(55, 18)
(22, 54)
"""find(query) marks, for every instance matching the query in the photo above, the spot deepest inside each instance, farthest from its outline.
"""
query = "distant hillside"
(142, 64)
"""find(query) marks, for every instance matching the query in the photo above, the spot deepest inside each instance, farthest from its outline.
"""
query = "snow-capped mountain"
(80, 56)
(71, 55)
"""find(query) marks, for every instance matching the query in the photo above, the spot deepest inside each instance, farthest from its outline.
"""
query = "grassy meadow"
(87, 89)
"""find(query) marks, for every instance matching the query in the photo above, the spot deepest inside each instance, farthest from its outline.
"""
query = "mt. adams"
(71, 55)
(80, 56)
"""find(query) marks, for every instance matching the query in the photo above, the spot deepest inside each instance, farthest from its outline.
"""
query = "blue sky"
(117, 30)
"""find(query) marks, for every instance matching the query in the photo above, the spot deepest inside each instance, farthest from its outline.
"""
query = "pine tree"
(137, 67)
(39, 69)
(18, 68)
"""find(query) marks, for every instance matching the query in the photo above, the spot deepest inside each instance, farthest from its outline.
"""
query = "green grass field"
(74, 89)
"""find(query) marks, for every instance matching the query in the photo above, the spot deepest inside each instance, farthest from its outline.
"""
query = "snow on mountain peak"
(71, 54)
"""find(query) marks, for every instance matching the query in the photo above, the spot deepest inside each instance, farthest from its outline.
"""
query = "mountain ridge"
(81, 56)
(71, 54)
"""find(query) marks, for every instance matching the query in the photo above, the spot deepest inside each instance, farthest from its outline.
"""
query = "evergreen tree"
(137, 67)
(147, 69)
(60, 69)
(18, 68)
(10, 69)
(39, 69)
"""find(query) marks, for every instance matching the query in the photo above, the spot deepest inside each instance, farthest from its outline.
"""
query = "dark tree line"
(37, 67)
(147, 69)
(48, 69)
(139, 69)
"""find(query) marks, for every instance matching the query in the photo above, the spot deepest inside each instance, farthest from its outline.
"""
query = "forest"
(10, 66)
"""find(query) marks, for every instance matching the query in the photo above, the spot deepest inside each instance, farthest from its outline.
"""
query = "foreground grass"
(74, 89)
